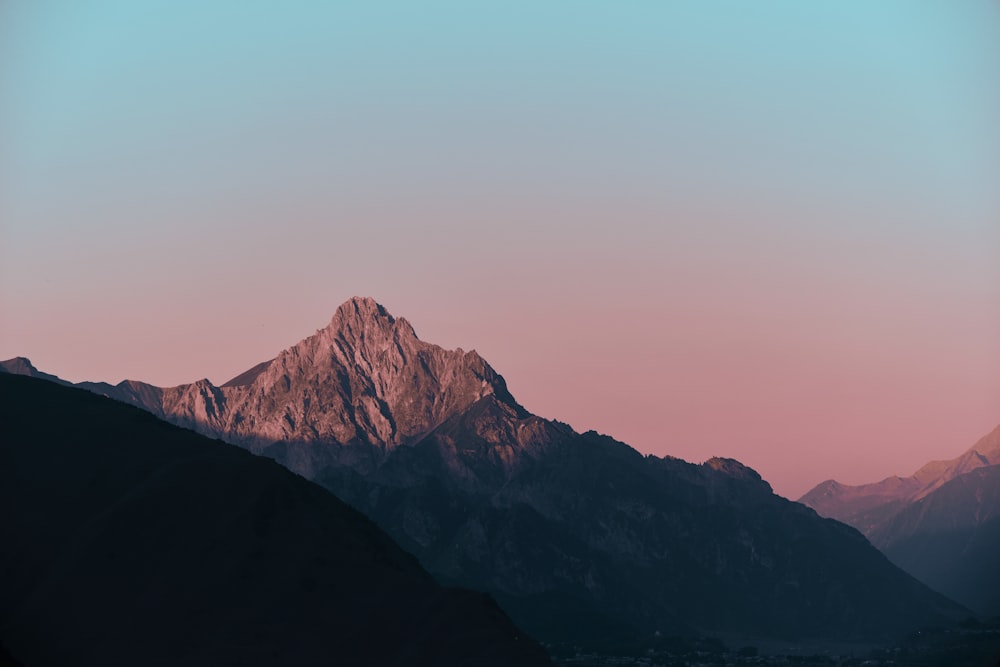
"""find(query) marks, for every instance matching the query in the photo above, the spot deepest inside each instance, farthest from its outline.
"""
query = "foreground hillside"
(128, 541)
(580, 538)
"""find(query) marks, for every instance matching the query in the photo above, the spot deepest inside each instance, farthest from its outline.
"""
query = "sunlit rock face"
(365, 379)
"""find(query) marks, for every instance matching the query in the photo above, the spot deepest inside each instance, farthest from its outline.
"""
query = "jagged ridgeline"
(579, 537)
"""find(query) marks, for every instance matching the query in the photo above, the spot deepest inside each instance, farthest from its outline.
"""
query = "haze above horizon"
(763, 231)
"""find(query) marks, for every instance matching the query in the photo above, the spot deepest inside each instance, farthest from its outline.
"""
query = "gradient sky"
(763, 230)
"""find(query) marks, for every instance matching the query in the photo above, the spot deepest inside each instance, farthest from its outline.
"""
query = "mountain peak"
(365, 377)
(361, 308)
(18, 366)
(360, 317)
(731, 467)
(23, 366)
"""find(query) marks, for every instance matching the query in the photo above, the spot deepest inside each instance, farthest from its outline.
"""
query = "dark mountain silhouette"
(941, 524)
(581, 538)
(129, 541)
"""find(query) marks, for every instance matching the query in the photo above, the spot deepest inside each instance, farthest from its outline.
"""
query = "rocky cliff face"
(363, 380)
(580, 537)
(941, 524)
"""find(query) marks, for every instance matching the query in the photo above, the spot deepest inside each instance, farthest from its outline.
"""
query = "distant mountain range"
(580, 538)
(129, 541)
(941, 524)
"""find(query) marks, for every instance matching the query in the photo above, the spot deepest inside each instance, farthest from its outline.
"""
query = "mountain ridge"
(844, 501)
(940, 524)
(579, 536)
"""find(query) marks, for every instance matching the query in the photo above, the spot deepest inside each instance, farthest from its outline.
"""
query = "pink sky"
(769, 234)
(799, 401)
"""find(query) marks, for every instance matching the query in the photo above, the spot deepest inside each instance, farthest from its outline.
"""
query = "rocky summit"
(365, 381)
(582, 539)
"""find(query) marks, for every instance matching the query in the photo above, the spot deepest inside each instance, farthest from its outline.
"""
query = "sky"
(768, 231)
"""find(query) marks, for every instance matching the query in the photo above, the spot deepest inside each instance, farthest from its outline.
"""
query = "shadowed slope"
(129, 541)
(584, 539)
(950, 539)
(941, 524)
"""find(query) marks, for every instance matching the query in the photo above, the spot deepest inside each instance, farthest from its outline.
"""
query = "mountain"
(868, 506)
(580, 538)
(130, 541)
(941, 524)
(950, 539)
